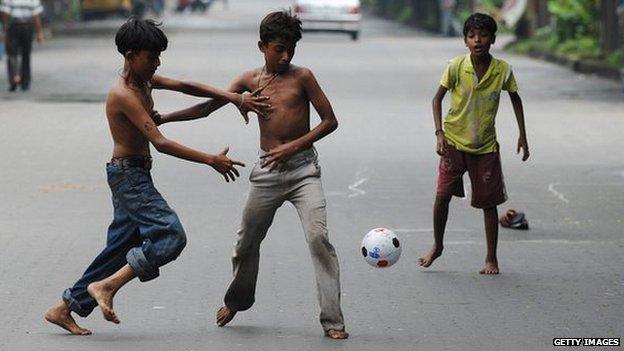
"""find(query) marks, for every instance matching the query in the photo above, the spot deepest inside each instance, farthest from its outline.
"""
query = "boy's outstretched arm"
(134, 111)
(188, 114)
(516, 102)
(234, 94)
(437, 120)
(328, 124)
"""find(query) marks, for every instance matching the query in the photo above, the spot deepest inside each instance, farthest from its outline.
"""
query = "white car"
(330, 16)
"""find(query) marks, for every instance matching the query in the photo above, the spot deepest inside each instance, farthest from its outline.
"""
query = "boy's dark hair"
(137, 34)
(480, 21)
(280, 25)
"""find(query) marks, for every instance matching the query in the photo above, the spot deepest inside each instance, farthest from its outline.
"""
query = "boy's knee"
(320, 245)
(244, 248)
(178, 241)
(490, 211)
(170, 247)
(443, 199)
(249, 239)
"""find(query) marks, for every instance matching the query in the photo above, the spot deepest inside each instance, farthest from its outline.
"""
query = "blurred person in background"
(1, 41)
(448, 26)
(158, 7)
(20, 18)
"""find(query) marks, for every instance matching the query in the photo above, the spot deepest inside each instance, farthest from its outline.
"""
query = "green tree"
(574, 19)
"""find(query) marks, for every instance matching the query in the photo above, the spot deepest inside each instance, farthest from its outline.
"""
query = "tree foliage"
(573, 19)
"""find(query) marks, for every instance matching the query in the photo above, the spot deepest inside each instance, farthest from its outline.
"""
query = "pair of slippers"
(514, 220)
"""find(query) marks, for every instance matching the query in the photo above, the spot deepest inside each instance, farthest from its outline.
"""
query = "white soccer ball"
(381, 248)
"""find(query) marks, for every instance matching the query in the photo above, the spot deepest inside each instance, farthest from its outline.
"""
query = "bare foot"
(224, 316)
(336, 334)
(491, 267)
(59, 314)
(103, 295)
(428, 259)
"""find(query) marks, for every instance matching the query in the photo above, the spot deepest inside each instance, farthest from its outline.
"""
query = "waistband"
(138, 161)
(307, 155)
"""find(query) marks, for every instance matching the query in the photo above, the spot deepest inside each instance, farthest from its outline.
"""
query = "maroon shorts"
(485, 172)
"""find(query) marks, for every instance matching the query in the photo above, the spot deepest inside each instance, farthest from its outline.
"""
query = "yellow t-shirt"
(469, 123)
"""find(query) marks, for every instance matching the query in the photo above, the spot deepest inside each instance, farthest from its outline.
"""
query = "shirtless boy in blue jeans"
(145, 233)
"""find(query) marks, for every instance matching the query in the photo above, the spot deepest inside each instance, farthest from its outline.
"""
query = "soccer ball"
(381, 248)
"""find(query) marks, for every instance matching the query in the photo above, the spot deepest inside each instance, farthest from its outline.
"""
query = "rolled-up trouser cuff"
(238, 307)
(142, 268)
(73, 305)
(333, 326)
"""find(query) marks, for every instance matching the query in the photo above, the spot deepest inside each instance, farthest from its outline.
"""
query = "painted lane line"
(551, 188)
(354, 188)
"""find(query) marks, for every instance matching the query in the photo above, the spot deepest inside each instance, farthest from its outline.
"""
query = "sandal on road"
(514, 220)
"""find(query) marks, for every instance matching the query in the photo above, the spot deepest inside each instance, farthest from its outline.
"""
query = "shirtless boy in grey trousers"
(287, 169)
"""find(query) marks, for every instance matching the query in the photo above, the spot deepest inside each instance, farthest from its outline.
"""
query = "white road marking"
(354, 188)
(551, 188)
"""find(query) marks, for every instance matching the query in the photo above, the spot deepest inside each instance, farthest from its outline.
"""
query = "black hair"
(138, 34)
(480, 21)
(280, 25)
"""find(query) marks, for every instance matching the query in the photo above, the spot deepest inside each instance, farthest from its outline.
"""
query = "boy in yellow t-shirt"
(467, 142)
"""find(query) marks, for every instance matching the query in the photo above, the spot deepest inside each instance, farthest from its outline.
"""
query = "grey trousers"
(297, 181)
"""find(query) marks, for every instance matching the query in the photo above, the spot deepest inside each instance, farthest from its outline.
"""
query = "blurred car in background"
(194, 5)
(91, 9)
(330, 16)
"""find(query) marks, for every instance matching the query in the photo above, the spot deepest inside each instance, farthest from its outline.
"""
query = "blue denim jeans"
(299, 182)
(145, 233)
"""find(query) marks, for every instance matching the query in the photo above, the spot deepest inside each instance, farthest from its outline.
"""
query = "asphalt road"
(562, 278)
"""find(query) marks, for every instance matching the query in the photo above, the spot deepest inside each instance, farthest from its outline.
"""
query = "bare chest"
(285, 94)
(145, 96)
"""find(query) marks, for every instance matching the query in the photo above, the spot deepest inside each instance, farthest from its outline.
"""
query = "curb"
(581, 66)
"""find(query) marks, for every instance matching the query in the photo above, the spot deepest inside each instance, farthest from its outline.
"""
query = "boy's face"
(479, 41)
(144, 63)
(277, 54)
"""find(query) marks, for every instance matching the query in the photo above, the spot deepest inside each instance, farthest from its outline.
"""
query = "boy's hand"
(441, 144)
(157, 118)
(524, 145)
(224, 165)
(278, 156)
(254, 102)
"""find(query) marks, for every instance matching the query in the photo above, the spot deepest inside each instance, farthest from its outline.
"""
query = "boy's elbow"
(161, 144)
(206, 108)
(333, 125)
